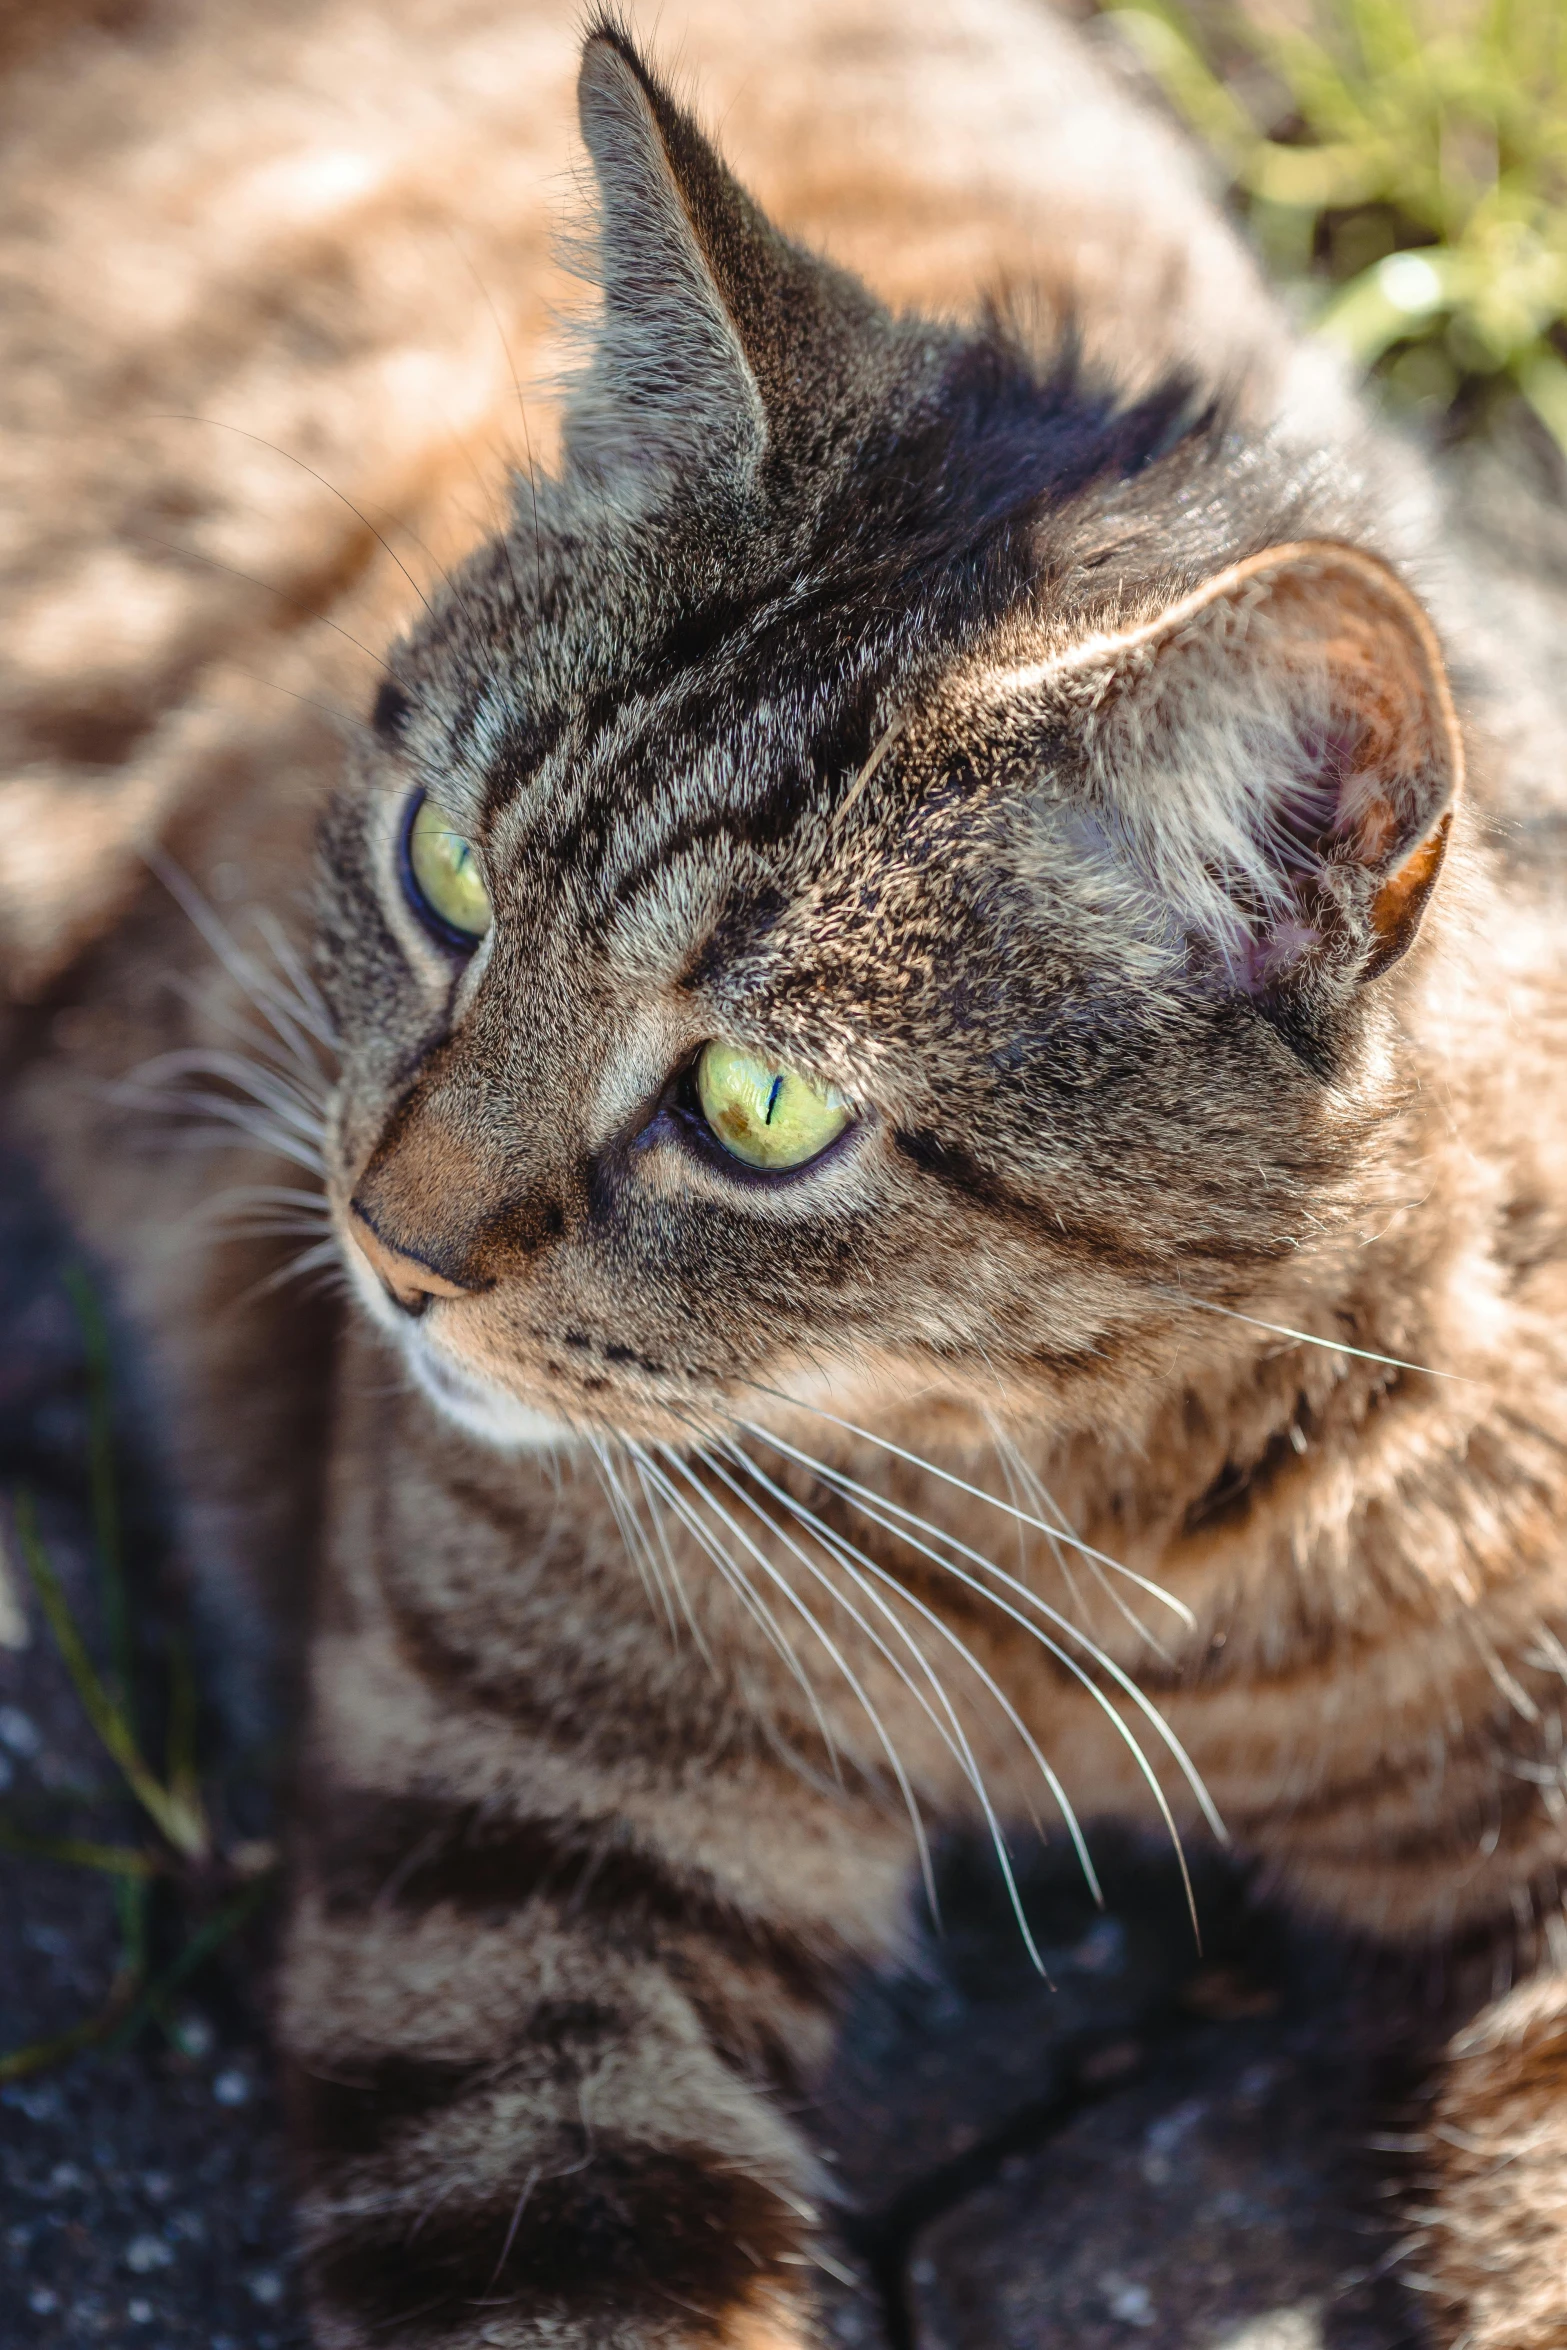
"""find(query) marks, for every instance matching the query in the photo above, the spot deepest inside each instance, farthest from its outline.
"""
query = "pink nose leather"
(411, 1283)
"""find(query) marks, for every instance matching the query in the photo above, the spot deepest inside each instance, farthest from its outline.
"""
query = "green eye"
(765, 1117)
(442, 875)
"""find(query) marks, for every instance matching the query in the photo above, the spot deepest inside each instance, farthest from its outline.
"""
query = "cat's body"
(1046, 753)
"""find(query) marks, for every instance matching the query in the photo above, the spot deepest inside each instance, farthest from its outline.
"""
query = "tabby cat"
(948, 1149)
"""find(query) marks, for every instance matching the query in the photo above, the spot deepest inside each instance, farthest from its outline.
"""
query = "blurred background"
(1402, 166)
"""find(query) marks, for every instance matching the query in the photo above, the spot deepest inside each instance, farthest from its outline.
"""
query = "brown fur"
(577, 1884)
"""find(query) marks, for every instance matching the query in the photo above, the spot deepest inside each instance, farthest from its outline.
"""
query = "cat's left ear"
(705, 339)
(1280, 753)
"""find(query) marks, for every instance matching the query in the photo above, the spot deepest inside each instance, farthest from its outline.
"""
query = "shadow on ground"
(1154, 2147)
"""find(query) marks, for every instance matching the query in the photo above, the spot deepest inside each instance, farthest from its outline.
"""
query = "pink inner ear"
(1301, 698)
(1260, 963)
(1365, 775)
(1324, 800)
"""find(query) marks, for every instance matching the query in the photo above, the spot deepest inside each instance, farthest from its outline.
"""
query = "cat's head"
(887, 866)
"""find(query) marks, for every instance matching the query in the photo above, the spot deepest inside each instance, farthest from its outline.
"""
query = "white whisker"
(1057, 1550)
(1043, 1500)
(870, 1502)
(1205, 1305)
(280, 1086)
(267, 1087)
(322, 1258)
(298, 1059)
(738, 1582)
(221, 1112)
(1005, 1448)
(257, 1211)
(221, 1204)
(306, 996)
(268, 1104)
(847, 1554)
(875, 1506)
(292, 1016)
(275, 1228)
(954, 1740)
(672, 1565)
(977, 1492)
(851, 1678)
(631, 1535)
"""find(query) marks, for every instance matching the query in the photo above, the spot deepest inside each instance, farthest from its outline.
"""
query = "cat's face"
(806, 915)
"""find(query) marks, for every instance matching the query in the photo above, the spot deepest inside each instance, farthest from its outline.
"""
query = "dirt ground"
(1152, 2148)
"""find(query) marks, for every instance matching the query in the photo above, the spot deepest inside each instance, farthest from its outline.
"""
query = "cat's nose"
(408, 1281)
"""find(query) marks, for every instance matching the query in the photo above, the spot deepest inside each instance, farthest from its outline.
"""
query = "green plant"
(182, 1849)
(1407, 160)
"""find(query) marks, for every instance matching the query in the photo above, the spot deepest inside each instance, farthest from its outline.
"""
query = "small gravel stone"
(1164, 2138)
(40, 2101)
(1102, 1950)
(42, 2302)
(1132, 2304)
(194, 2036)
(1279, 2329)
(19, 1732)
(143, 2254)
(231, 2087)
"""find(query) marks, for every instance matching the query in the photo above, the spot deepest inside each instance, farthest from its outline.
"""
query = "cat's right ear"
(681, 256)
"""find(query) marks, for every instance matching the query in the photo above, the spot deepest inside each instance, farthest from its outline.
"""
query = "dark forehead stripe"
(733, 747)
(531, 732)
(923, 533)
(390, 712)
(727, 755)
(755, 802)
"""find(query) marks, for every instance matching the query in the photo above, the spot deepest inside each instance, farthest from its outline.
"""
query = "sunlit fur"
(1033, 727)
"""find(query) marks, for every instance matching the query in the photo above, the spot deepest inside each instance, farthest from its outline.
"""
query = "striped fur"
(1031, 720)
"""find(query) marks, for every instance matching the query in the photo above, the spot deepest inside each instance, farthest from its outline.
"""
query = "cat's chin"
(481, 1409)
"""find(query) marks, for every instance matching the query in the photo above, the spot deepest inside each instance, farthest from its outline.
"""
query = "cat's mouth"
(478, 1405)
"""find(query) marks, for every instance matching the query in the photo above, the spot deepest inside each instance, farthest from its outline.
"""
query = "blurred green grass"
(1403, 165)
(218, 1887)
